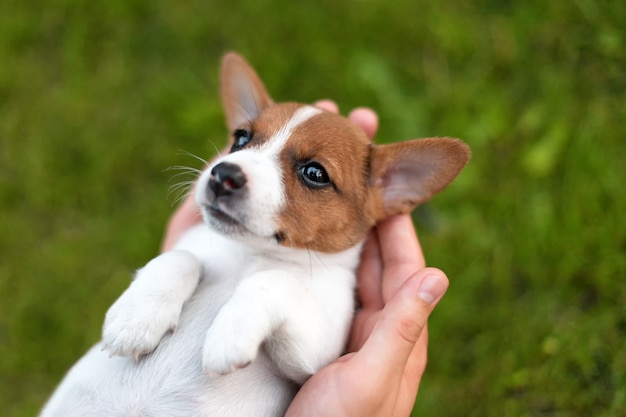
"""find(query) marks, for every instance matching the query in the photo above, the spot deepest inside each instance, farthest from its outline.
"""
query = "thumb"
(402, 321)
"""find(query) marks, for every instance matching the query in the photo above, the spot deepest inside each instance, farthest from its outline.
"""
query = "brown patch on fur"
(332, 218)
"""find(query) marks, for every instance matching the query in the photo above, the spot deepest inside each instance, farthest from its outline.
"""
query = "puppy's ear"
(243, 93)
(406, 174)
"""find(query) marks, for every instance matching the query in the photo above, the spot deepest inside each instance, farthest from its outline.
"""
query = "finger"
(400, 251)
(413, 372)
(416, 364)
(399, 244)
(366, 118)
(401, 323)
(327, 105)
(369, 275)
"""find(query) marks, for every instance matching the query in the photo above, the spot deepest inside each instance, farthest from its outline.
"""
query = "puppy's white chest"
(287, 300)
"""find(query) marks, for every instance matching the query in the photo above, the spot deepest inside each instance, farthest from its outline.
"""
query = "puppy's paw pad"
(226, 351)
(134, 329)
(214, 370)
(216, 362)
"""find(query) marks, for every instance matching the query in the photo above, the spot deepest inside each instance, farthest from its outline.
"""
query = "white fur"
(219, 326)
(279, 139)
(266, 195)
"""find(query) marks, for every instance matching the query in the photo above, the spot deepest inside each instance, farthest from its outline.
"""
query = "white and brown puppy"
(252, 303)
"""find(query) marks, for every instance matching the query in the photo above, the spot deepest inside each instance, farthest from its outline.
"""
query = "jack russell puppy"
(250, 304)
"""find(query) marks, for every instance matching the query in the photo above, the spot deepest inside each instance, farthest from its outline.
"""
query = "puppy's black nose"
(226, 179)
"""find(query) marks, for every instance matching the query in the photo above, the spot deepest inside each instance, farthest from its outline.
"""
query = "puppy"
(254, 301)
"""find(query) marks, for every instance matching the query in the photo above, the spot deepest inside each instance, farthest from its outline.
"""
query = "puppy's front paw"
(151, 306)
(233, 341)
(135, 327)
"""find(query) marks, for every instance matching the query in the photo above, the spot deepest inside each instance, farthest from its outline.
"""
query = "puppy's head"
(303, 177)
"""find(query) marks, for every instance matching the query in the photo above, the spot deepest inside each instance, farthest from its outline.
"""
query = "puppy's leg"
(315, 325)
(300, 333)
(151, 306)
(243, 323)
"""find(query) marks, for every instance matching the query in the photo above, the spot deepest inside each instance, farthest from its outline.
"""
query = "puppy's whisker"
(218, 152)
(184, 171)
(181, 190)
(179, 200)
(194, 156)
(183, 185)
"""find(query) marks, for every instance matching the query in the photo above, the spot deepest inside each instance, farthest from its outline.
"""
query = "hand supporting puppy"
(388, 342)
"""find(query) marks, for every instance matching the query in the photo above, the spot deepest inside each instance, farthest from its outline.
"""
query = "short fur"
(241, 312)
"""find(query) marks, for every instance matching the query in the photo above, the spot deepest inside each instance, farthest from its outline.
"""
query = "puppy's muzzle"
(227, 180)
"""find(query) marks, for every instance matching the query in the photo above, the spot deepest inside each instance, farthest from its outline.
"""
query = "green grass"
(98, 98)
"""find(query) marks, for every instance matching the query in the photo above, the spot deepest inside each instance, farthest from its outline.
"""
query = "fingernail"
(431, 288)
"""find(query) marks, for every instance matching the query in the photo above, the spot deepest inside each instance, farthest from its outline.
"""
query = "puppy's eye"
(314, 175)
(242, 138)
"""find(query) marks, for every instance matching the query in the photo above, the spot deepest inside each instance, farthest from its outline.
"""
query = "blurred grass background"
(98, 98)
